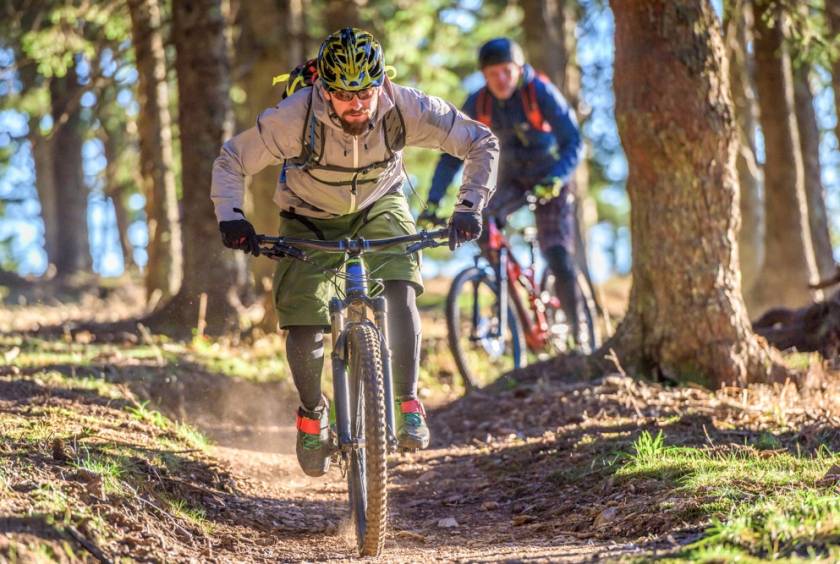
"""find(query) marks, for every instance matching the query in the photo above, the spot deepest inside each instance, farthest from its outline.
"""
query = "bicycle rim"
(368, 474)
(480, 349)
(558, 325)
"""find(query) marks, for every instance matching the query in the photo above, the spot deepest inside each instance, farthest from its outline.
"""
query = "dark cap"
(500, 50)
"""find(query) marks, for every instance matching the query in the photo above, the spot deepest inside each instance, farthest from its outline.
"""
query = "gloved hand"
(239, 234)
(463, 228)
(548, 188)
(428, 217)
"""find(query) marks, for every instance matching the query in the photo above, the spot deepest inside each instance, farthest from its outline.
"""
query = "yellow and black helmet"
(351, 59)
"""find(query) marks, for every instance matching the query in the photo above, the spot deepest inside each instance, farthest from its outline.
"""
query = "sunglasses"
(347, 96)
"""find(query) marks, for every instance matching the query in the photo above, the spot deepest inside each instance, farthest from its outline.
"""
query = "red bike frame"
(509, 270)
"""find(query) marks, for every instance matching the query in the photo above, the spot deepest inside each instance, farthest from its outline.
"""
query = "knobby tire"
(368, 474)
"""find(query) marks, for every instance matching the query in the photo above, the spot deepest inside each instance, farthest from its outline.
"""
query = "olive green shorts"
(302, 290)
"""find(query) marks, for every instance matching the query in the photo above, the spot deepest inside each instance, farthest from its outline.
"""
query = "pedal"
(404, 450)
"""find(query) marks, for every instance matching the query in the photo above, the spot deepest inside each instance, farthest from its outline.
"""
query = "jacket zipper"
(355, 174)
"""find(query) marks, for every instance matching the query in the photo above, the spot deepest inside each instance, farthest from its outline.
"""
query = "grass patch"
(111, 470)
(195, 516)
(761, 505)
(192, 436)
(141, 412)
(183, 431)
(262, 362)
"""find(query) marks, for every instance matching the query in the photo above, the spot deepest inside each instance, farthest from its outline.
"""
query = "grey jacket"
(429, 122)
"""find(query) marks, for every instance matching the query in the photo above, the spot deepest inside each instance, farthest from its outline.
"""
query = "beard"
(355, 127)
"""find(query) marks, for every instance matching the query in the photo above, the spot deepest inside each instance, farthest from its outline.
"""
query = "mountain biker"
(541, 147)
(341, 141)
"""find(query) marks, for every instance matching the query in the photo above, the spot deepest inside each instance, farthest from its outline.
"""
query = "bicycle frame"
(352, 309)
(510, 274)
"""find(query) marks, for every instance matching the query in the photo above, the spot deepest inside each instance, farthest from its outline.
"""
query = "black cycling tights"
(305, 347)
(562, 264)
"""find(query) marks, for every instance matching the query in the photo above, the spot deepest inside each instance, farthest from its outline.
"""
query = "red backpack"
(528, 95)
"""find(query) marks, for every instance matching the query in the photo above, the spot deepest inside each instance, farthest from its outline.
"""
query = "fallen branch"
(88, 545)
(814, 328)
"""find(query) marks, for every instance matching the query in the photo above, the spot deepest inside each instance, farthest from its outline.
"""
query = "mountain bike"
(496, 311)
(365, 430)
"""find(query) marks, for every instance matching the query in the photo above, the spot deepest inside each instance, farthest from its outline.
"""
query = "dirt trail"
(425, 488)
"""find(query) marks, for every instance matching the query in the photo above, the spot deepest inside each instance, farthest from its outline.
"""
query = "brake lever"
(420, 245)
(278, 251)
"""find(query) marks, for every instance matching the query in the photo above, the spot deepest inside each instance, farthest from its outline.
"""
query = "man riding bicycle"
(541, 147)
(340, 141)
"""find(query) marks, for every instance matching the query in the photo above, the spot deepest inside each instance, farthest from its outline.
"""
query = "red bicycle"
(496, 311)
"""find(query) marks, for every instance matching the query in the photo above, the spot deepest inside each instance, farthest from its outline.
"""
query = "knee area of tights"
(560, 261)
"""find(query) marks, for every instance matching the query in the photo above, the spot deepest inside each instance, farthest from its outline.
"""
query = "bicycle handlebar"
(275, 247)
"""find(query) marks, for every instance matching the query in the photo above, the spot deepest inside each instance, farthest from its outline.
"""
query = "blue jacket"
(527, 156)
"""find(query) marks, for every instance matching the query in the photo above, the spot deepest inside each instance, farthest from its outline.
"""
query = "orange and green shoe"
(313, 439)
(413, 432)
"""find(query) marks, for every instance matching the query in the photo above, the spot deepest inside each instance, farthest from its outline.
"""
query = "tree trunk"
(44, 157)
(165, 264)
(551, 46)
(72, 254)
(341, 13)
(204, 123)
(809, 141)
(686, 318)
(739, 26)
(114, 189)
(264, 49)
(832, 11)
(543, 32)
(789, 259)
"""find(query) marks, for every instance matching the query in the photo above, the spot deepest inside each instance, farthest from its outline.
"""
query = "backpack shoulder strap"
(484, 107)
(394, 124)
(308, 140)
(528, 95)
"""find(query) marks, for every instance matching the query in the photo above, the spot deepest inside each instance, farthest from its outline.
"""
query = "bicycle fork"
(341, 385)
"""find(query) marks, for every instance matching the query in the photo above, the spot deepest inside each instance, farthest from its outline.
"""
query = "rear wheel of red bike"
(559, 328)
(481, 350)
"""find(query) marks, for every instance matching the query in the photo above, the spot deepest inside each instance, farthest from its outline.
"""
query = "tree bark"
(114, 189)
(44, 157)
(341, 13)
(739, 26)
(809, 141)
(204, 121)
(164, 269)
(789, 260)
(266, 47)
(832, 12)
(543, 32)
(72, 253)
(686, 318)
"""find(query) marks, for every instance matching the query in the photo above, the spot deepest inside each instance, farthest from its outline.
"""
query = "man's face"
(354, 109)
(502, 79)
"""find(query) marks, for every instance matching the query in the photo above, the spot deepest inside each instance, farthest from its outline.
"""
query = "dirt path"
(427, 491)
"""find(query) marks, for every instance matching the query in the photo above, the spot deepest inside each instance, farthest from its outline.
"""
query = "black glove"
(463, 227)
(239, 234)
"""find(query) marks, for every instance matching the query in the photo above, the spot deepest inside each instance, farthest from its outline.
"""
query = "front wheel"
(477, 342)
(368, 473)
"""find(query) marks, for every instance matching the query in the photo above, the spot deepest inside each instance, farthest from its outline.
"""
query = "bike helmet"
(500, 50)
(351, 59)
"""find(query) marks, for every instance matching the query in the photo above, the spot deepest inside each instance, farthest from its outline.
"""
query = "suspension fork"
(341, 387)
(380, 316)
